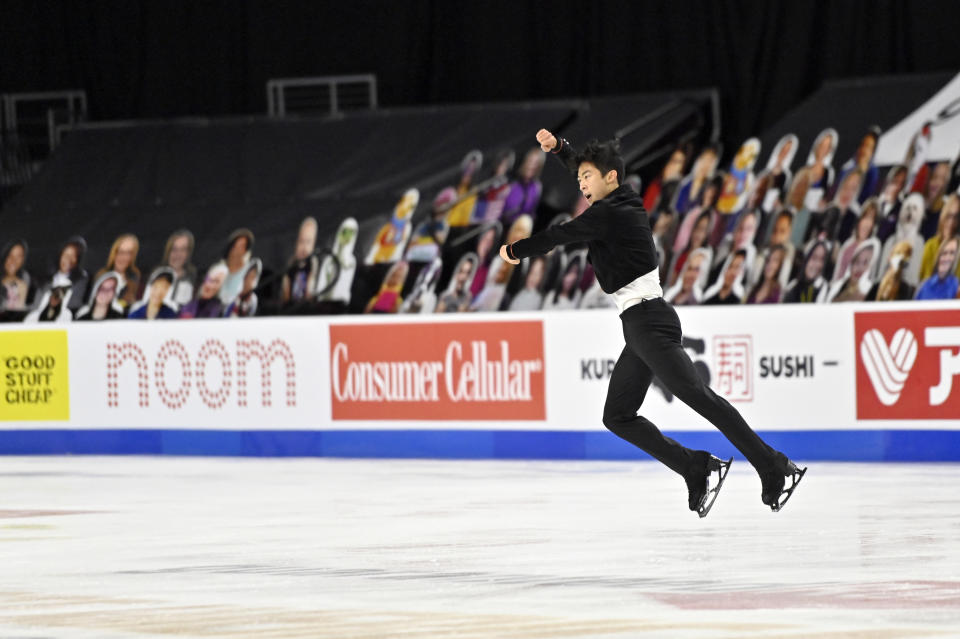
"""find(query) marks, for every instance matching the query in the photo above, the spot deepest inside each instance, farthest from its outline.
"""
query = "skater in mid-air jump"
(617, 232)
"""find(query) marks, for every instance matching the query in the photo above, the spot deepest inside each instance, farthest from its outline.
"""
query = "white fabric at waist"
(645, 287)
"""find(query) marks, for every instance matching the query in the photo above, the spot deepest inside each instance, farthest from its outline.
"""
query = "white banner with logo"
(943, 112)
(796, 367)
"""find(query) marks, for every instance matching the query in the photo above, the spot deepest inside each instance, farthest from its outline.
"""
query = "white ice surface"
(94, 547)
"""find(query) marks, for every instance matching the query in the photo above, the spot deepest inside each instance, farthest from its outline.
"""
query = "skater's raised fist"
(506, 255)
(546, 139)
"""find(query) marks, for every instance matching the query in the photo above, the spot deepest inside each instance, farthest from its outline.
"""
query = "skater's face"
(594, 184)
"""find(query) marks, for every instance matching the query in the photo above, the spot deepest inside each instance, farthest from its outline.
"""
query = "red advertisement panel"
(439, 371)
(908, 364)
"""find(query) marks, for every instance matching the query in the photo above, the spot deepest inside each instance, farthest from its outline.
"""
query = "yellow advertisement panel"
(34, 376)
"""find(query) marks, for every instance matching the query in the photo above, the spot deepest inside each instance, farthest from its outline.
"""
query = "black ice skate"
(775, 492)
(700, 496)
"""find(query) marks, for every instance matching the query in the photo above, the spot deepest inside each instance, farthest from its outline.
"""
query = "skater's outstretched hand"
(506, 256)
(547, 140)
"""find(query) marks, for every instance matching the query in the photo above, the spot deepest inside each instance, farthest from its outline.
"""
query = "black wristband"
(510, 252)
(558, 146)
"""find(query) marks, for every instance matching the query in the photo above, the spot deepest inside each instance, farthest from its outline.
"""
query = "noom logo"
(888, 365)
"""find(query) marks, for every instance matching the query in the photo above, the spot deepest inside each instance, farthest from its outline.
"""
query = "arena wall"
(835, 382)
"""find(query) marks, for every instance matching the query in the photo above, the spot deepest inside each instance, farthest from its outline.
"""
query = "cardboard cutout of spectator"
(431, 234)
(836, 222)
(566, 294)
(299, 284)
(777, 175)
(698, 240)
(862, 161)
(819, 169)
(934, 195)
(246, 303)
(104, 303)
(530, 297)
(523, 198)
(857, 281)
(864, 230)
(891, 286)
(943, 284)
(768, 288)
(388, 245)
(123, 260)
(53, 304)
(457, 297)
(157, 302)
(728, 288)
(236, 255)
(492, 295)
(687, 290)
(70, 265)
(779, 237)
(742, 236)
(707, 205)
(890, 200)
(207, 304)
(810, 286)
(662, 189)
(460, 209)
(689, 192)
(953, 185)
(423, 296)
(177, 254)
(739, 181)
(908, 229)
(487, 240)
(948, 226)
(387, 299)
(335, 280)
(492, 193)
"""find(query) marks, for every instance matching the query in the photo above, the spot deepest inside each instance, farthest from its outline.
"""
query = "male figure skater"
(617, 232)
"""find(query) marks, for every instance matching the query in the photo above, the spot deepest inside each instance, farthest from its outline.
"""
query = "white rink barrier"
(846, 382)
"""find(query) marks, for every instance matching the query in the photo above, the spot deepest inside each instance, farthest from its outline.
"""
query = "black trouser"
(652, 333)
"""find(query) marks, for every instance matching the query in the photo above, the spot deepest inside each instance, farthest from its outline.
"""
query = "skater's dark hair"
(605, 156)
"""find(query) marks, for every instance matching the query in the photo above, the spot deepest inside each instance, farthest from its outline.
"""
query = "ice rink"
(99, 547)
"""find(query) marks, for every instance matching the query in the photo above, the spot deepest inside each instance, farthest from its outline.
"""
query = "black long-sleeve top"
(616, 230)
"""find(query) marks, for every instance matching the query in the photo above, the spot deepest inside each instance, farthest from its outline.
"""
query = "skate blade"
(723, 470)
(787, 492)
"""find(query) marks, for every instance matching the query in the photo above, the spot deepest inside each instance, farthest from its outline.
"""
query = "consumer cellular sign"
(439, 371)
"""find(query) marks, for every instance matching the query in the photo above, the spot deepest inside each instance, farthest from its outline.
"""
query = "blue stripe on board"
(829, 445)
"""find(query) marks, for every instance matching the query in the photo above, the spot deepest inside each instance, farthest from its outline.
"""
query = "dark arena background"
(380, 428)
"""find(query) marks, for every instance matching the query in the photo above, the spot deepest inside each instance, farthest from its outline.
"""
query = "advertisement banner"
(907, 363)
(472, 371)
(36, 379)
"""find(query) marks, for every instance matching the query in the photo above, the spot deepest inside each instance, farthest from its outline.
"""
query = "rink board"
(866, 382)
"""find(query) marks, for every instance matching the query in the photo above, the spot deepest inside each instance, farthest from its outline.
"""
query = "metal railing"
(325, 94)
